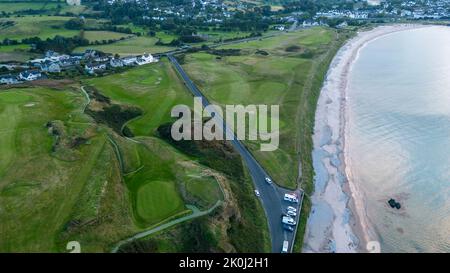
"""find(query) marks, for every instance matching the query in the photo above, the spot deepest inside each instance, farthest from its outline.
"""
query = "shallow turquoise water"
(398, 137)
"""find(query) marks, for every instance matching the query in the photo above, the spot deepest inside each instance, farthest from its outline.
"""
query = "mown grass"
(31, 5)
(133, 46)
(104, 35)
(279, 78)
(40, 26)
(154, 88)
(37, 190)
(291, 76)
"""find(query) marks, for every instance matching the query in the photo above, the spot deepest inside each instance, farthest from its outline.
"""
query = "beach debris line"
(394, 204)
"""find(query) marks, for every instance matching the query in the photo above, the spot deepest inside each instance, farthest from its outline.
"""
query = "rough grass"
(33, 5)
(289, 78)
(15, 53)
(104, 35)
(280, 78)
(39, 26)
(133, 46)
(154, 88)
(38, 191)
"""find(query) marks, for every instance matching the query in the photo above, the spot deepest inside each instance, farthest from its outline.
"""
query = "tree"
(75, 23)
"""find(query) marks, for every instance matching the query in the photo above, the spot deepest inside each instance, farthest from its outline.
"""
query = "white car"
(292, 209)
(291, 213)
(257, 193)
(288, 221)
(291, 197)
(268, 180)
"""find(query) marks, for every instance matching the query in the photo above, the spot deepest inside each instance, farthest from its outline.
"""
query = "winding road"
(271, 195)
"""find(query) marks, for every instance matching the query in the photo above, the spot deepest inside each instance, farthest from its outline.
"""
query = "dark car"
(288, 228)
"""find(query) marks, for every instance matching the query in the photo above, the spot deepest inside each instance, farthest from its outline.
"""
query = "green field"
(289, 74)
(153, 163)
(50, 196)
(33, 5)
(133, 46)
(154, 88)
(40, 26)
(280, 78)
(37, 188)
(15, 53)
(104, 35)
(158, 200)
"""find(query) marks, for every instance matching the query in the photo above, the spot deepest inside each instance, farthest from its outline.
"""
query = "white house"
(30, 75)
(129, 61)
(145, 59)
(73, 2)
(92, 68)
(51, 67)
(116, 62)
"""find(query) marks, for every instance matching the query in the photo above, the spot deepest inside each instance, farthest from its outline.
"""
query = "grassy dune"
(154, 88)
(279, 78)
(38, 190)
(153, 172)
(158, 175)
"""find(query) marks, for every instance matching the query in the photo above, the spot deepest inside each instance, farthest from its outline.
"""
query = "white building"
(145, 59)
(73, 2)
(129, 61)
(92, 68)
(30, 75)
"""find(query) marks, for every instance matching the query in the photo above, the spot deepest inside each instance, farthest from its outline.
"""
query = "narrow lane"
(271, 195)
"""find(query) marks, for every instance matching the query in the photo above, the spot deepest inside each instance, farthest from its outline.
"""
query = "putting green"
(158, 200)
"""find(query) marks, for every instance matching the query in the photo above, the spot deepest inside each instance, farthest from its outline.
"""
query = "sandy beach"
(338, 222)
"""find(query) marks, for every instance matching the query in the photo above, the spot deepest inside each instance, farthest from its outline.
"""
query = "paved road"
(271, 195)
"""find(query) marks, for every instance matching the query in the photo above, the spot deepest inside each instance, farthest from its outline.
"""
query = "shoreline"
(338, 220)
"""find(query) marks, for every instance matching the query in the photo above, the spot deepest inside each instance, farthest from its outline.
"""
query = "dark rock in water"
(391, 203)
(394, 204)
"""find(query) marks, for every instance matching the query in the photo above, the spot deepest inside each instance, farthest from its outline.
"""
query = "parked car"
(291, 197)
(285, 247)
(268, 180)
(292, 209)
(288, 228)
(257, 193)
(291, 213)
(288, 220)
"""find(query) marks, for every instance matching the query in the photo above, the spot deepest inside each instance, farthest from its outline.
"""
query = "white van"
(285, 247)
(288, 220)
(291, 197)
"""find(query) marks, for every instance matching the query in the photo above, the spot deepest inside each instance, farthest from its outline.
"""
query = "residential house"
(145, 59)
(127, 61)
(30, 75)
(94, 67)
(69, 63)
(51, 67)
(101, 59)
(89, 53)
(8, 79)
(116, 62)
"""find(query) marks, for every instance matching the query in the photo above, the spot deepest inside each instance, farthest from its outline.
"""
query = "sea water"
(398, 137)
